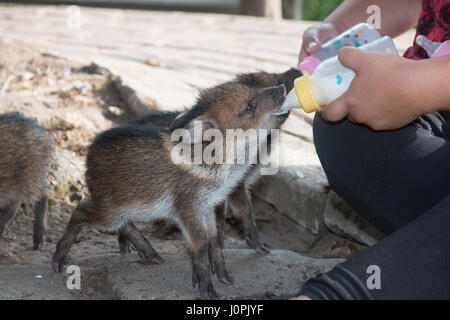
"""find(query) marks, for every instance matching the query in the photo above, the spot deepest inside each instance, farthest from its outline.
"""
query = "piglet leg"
(131, 234)
(8, 211)
(215, 253)
(241, 204)
(40, 214)
(197, 236)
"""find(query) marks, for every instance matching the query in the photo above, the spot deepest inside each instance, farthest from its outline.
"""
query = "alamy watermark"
(242, 147)
(74, 280)
(374, 280)
(374, 19)
(73, 21)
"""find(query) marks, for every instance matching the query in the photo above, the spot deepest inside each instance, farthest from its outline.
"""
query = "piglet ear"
(197, 128)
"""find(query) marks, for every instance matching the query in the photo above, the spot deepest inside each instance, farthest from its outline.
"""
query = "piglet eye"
(247, 109)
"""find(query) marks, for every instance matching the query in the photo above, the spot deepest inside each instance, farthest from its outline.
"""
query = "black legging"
(400, 182)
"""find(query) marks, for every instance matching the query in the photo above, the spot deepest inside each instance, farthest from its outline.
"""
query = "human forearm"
(396, 16)
(431, 84)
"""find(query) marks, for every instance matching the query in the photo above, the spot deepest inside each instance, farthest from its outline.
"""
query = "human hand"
(385, 93)
(315, 36)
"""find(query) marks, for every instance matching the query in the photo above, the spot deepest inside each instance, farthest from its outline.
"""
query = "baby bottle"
(434, 49)
(356, 36)
(329, 81)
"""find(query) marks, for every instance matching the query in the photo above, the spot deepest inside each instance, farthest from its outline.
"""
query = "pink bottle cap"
(443, 50)
(309, 64)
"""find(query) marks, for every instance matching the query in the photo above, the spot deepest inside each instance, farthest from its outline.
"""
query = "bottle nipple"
(291, 101)
(429, 46)
(309, 64)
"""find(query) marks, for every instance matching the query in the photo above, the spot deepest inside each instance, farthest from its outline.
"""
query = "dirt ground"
(74, 103)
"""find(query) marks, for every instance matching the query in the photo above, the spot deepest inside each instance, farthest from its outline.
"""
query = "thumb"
(352, 58)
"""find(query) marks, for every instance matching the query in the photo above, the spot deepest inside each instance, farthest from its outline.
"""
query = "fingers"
(310, 40)
(353, 58)
(339, 109)
(335, 111)
(315, 36)
(312, 47)
(310, 44)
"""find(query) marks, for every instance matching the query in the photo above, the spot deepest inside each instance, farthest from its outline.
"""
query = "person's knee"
(338, 148)
(343, 150)
(329, 142)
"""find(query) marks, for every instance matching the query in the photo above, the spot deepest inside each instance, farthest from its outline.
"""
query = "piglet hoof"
(226, 279)
(157, 260)
(251, 242)
(208, 292)
(153, 260)
(205, 285)
(39, 246)
(149, 254)
(222, 275)
(58, 266)
(262, 250)
(126, 250)
(259, 248)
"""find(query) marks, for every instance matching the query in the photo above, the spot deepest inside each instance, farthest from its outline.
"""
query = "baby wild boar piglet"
(133, 175)
(239, 202)
(25, 153)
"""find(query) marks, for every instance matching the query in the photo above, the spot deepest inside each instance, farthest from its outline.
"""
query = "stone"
(32, 282)
(66, 176)
(278, 275)
(146, 88)
(116, 111)
(299, 189)
(342, 220)
(298, 126)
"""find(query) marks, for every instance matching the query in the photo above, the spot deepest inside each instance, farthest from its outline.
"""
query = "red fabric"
(434, 23)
